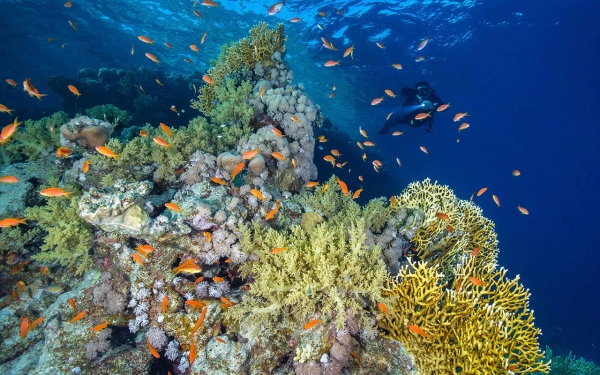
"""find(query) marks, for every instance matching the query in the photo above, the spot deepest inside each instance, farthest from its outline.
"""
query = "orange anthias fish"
(11, 82)
(63, 152)
(209, 3)
(278, 155)
(11, 222)
(161, 142)
(312, 323)
(4, 109)
(166, 129)
(138, 259)
(106, 152)
(390, 93)
(192, 344)
(208, 236)
(194, 48)
(250, 154)
(496, 200)
(356, 194)
(523, 210)
(36, 322)
(331, 63)
(343, 186)
(336, 153)
(349, 51)
(24, 327)
(463, 126)
(9, 130)
(173, 207)
(203, 37)
(72, 303)
(376, 101)
(152, 350)
(516, 173)
(311, 184)
(74, 90)
(143, 133)
(217, 180)
(198, 13)
(481, 191)
(278, 250)
(295, 119)
(207, 79)
(55, 192)
(68, 4)
(168, 45)
(78, 317)
(442, 216)
(476, 281)
(31, 90)
(369, 144)
(195, 304)
(420, 58)
(152, 58)
(272, 213)
(145, 39)
(424, 150)
(397, 66)
(397, 133)
(100, 326)
(459, 116)
(200, 320)
(277, 132)
(475, 251)
(296, 19)
(380, 45)
(145, 249)
(237, 170)
(258, 194)
(383, 308)
(9, 179)
(218, 279)
(422, 116)
(330, 159)
(418, 331)
(443, 107)
(422, 44)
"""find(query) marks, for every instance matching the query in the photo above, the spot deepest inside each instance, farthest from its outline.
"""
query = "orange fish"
(459, 116)
(145, 249)
(145, 39)
(186, 265)
(36, 322)
(516, 173)
(277, 132)
(397, 66)
(207, 79)
(398, 161)
(220, 340)
(226, 301)
(203, 37)
(476, 281)
(417, 330)
(295, 119)
(420, 58)
(100, 326)
(331, 95)
(173, 207)
(376, 101)
(152, 350)
(218, 279)
(496, 200)
(296, 19)
(331, 63)
(143, 133)
(209, 3)
(78, 317)
(422, 44)
(174, 109)
(463, 126)
(369, 144)
(192, 345)
(86, 166)
(9, 179)
(73, 24)
(397, 133)
(443, 107)
(166, 129)
(24, 327)
(322, 14)
(262, 92)
(208, 236)
(278, 155)
(424, 150)
(106, 152)
(312, 323)
(343, 186)
(43, 270)
(237, 170)
(197, 13)
(138, 259)
(349, 51)
(200, 320)
(63, 152)
(68, 4)
(523, 210)
(380, 45)
(152, 58)
(481, 191)
(16, 269)
(390, 93)
(74, 90)
(355, 357)
(336, 153)
(9, 130)
(311, 184)
(168, 45)
(277, 250)
(31, 90)
(458, 286)
(72, 303)
(55, 192)
(11, 82)
(322, 138)
(250, 154)
(475, 251)
(383, 308)
(161, 142)
(194, 48)
(258, 194)
(217, 180)
(360, 145)
(272, 213)
(422, 116)
(330, 159)
(442, 216)
(159, 82)
(195, 304)
(450, 229)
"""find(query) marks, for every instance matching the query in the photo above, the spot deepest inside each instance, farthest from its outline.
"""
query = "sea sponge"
(485, 329)
(86, 132)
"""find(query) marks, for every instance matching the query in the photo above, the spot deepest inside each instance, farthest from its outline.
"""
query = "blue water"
(526, 72)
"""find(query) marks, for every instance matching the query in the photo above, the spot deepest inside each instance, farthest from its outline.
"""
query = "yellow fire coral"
(482, 325)
(244, 54)
(451, 227)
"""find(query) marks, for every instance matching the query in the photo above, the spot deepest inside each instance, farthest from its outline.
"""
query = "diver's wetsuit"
(412, 105)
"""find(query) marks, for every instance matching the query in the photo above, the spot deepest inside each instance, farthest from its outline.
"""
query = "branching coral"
(35, 138)
(570, 365)
(111, 114)
(329, 270)
(443, 240)
(68, 238)
(470, 329)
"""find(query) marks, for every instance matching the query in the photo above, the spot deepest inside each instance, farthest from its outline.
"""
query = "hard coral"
(86, 132)
(472, 329)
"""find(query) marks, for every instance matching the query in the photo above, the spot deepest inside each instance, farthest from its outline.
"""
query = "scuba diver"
(420, 99)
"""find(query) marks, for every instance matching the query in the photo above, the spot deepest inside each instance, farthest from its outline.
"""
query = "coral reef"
(36, 138)
(570, 365)
(86, 132)
(482, 325)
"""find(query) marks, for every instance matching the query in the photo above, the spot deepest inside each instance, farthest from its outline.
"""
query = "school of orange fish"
(190, 267)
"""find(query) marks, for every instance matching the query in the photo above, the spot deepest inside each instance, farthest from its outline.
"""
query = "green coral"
(111, 114)
(241, 55)
(329, 269)
(16, 239)
(68, 239)
(143, 151)
(35, 138)
(570, 365)
(232, 106)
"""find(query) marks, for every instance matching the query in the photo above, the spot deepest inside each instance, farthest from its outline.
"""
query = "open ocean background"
(525, 71)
